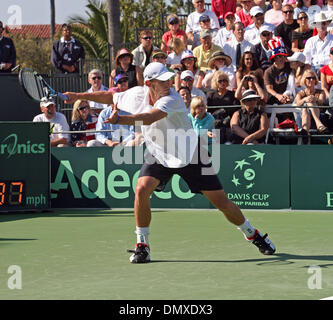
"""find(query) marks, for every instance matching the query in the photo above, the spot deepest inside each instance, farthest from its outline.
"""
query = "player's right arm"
(97, 96)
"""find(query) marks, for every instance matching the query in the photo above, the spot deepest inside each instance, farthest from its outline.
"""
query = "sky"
(15, 12)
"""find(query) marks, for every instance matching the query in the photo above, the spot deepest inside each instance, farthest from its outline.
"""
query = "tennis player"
(162, 114)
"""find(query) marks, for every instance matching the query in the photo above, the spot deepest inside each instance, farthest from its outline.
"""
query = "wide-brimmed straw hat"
(319, 18)
(123, 52)
(219, 55)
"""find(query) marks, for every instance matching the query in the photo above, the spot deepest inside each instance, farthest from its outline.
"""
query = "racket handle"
(62, 96)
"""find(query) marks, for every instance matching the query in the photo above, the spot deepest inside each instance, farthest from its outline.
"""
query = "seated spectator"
(276, 76)
(221, 8)
(186, 95)
(317, 48)
(83, 119)
(121, 82)
(124, 65)
(225, 34)
(204, 22)
(58, 123)
(310, 97)
(252, 33)
(205, 50)
(189, 62)
(300, 35)
(297, 66)
(326, 76)
(304, 6)
(238, 45)
(244, 14)
(193, 25)
(221, 96)
(285, 28)
(95, 79)
(7, 52)
(249, 64)
(177, 48)
(202, 121)
(142, 54)
(249, 125)
(67, 52)
(187, 80)
(118, 134)
(261, 50)
(274, 15)
(220, 62)
(174, 32)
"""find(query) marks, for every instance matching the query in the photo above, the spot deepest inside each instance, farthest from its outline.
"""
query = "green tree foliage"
(33, 53)
(92, 32)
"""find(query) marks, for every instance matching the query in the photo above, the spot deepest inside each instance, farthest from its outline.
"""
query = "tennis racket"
(36, 87)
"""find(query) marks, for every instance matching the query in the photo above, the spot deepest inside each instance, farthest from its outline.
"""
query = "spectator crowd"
(229, 63)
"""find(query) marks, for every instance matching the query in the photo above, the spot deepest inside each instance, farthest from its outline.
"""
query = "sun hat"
(119, 77)
(255, 10)
(187, 54)
(185, 74)
(204, 17)
(123, 52)
(45, 102)
(319, 18)
(266, 27)
(160, 52)
(205, 33)
(218, 55)
(157, 70)
(249, 94)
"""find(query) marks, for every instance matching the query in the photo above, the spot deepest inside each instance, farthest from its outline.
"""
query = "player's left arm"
(145, 118)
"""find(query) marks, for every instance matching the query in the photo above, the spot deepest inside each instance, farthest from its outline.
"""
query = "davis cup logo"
(244, 174)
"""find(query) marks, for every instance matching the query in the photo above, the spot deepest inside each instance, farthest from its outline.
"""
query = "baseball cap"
(266, 27)
(44, 102)
(255, 10)
(229, 13)
(118, 77)
(159, 53)
(297, 56)
(185, 74)
(157, 70)
(205, 33)
(204, 17)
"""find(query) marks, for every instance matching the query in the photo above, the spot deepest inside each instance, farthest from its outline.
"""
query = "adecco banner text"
(252, 176)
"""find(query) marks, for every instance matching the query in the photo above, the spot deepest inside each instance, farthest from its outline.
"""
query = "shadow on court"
(285, 258)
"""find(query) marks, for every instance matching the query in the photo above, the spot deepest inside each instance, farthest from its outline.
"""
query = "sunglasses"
(97, 77)
(173, 21)
(188, 79)
(302, 18)
(83, 108)
(159, 57)
(222, 80)
(310, 78)
(147, 38)
(266, 34)
(122, 81)
(288, 11)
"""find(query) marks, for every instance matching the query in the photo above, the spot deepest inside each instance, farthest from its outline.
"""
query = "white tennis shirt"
(171, 140)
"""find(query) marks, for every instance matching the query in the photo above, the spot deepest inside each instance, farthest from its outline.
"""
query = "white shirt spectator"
(252, 33)
(197, 92)
(317, 51)
(223, 36)
(96, 105)
(193, 24)
(59, 124)
(173, 58)
(231, 47)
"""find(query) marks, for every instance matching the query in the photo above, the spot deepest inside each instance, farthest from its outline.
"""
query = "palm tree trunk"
(52, 9)
(114, 28)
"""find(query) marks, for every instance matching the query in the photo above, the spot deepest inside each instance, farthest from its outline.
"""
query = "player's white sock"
(142, 235)
(247, 229)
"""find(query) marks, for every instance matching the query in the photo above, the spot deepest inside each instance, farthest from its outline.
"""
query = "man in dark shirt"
(284, 29)
(7, 52)
(67, 52)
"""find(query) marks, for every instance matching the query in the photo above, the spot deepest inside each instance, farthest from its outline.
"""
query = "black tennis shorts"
(192, 174)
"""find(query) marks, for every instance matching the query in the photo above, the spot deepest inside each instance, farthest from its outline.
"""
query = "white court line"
(328, 298)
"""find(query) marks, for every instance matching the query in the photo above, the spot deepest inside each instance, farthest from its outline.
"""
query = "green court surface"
(196, 254)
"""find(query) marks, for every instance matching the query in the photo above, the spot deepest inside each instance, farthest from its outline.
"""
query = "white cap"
(44, 102)
(266, 27)
(186, 73)
(255, 10)
(297, 56)
(157, 70)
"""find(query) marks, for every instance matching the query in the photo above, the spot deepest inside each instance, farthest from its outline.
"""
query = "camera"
(248, 78)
